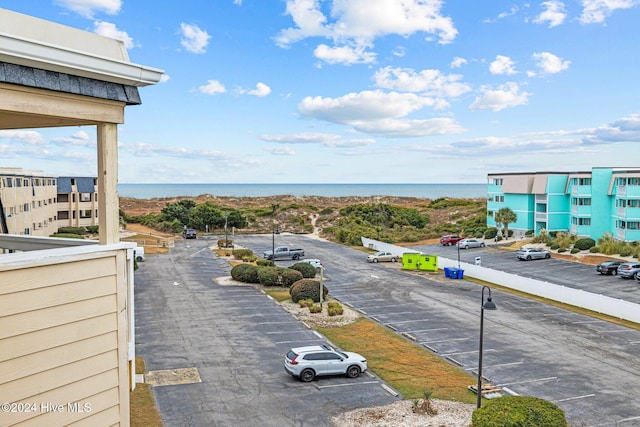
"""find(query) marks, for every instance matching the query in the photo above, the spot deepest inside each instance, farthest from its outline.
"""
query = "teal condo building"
(587, 204)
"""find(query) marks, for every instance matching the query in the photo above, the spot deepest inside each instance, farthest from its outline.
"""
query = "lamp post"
(321, 284)
(488, 305)
(458, 245)
(273, 243)
(226, 242)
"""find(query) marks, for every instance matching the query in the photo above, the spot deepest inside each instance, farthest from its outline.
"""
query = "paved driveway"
(235, 337)
(588, 367)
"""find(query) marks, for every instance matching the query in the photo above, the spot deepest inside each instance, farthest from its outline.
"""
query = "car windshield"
(344, 355)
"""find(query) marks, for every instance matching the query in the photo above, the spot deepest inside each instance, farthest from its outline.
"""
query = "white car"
(382, 256)
(527, 254)
(314, 262)
(470, 243)
(306, 363)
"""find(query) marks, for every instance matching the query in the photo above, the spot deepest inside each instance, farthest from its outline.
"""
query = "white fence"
(595, 302)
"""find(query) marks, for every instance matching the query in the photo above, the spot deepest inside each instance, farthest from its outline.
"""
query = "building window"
(581, 221)
(85, 197)
(499, 199)
(490, 214)
(63, 215)
(85, 213)
(25, 208)
(18, 182)
(581, 201)
(581, 181)
(497, 181)
(9, 182)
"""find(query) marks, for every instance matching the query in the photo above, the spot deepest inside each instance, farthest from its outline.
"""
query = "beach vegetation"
(307, 289)
(514, 411)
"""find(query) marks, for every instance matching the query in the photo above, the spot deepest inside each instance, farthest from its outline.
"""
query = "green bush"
(308, 271)
(561, 250)
(625, 252)
(264, 263)
(575, 250)
(584, 244)
(242, 253)
(225, 243)
(278, 276)
(93, 229)
(518, 411)
(529, 233)
(491, 233)
(72, 230)
(307, 289)
(246, 273)
(553, 247)
(594, 250)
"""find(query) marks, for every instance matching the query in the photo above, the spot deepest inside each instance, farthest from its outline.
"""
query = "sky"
(356, 91)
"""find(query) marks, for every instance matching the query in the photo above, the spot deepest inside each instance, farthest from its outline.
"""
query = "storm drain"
(173, 377)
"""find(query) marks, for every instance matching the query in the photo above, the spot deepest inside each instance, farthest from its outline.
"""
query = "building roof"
(83, 184)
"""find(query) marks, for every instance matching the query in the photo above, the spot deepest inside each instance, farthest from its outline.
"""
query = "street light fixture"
(458, 245)
(273, 243)
(485, 305)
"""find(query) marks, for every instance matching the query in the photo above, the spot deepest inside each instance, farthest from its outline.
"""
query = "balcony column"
(108, 206)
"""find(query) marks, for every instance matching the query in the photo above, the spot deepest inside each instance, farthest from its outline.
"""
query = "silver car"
(306, 363)
(527, 254)
(382, 256)
(629, 270)
(470, 243)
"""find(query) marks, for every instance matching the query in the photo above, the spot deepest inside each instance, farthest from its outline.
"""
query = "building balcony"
(67, 321)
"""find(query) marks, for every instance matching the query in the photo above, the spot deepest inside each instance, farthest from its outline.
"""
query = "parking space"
(588, 367)
(235, 338)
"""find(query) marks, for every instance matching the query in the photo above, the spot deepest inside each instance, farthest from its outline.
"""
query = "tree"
(505, 216)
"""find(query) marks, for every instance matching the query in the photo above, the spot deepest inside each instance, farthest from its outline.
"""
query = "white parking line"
(427, 330)
(529, 381)
(495, 366)
(287, 332)
(297, 341)
(449, 340)
(627, 419)
(348, 384)
(575, 398)
(404, 321)
(467, 352)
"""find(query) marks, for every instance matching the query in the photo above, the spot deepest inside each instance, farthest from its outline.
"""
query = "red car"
(450, 239)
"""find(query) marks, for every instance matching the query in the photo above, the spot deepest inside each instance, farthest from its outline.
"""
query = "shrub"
(594, 250)
(625, 252)
(278, 276)
(334, 309)
(553, 247)
(225, 243)
(264, 263)
(67, 236)
(529, 233)
(308, 271)
(242, 253)
(307, 289)
(246, 273)
(575, 250)
(72, 230)
(518, 411)
(93, 229)
(561, 250)
(490, 233)
(315, 308)
(584, 244)
(305, 303)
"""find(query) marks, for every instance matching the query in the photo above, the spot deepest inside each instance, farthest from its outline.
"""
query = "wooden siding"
(64, 335)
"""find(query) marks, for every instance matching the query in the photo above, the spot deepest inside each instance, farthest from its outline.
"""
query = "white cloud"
(301, 138)
(212, 87)
(626, 129)
(260, 91)
(141, 149)
(194, 39)
(88, 8)
(164, 78)
(502, 65)
(356, 23)
(502, 15)
(30, 137)
(505, 96)
(378, 113)
(457, 62)
(550, 63)
(595, 11)
(344, 54)
(80, 138)
(107, 29)
(399, 51)
(426, 82)
(554, 13)
(280, 151)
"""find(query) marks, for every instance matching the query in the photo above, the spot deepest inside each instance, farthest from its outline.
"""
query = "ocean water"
(427, 191)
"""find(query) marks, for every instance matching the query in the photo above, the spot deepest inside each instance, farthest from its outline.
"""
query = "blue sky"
(357, 91)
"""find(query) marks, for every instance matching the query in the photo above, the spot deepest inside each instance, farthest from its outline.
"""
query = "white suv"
(308, 362)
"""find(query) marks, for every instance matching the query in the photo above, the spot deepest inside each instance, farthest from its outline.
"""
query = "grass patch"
(142, 405)
(279, 294)
(407, 367)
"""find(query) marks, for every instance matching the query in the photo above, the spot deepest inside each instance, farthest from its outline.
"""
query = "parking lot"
(587, 366)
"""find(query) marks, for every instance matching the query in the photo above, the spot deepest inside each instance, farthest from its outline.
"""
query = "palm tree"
(505, 216)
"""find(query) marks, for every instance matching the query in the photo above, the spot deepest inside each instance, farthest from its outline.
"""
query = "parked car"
(306, 363)
(382, 256)
(470, 243)
(628, 270)
(284, 252)
(189, 233)
(527, 254)
(314, 262)
(608, 267)
(450, 239)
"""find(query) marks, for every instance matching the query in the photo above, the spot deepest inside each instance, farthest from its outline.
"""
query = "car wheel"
(307, 375)
(466, 246)
(615, 272)
(635, 276)
(139, 259)
(528, 257)
(375, 260)
(547, 256)
(394, 259)
(295, 257)
(482, 245)
(353, 371)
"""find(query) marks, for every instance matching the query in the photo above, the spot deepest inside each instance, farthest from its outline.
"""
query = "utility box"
(413, 261)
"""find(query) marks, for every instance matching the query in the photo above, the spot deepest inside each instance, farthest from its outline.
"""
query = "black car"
(608, 267)
(189, 233)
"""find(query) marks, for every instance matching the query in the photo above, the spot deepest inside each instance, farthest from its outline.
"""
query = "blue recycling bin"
(447, 272)
(459, 273)
(455, 273)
